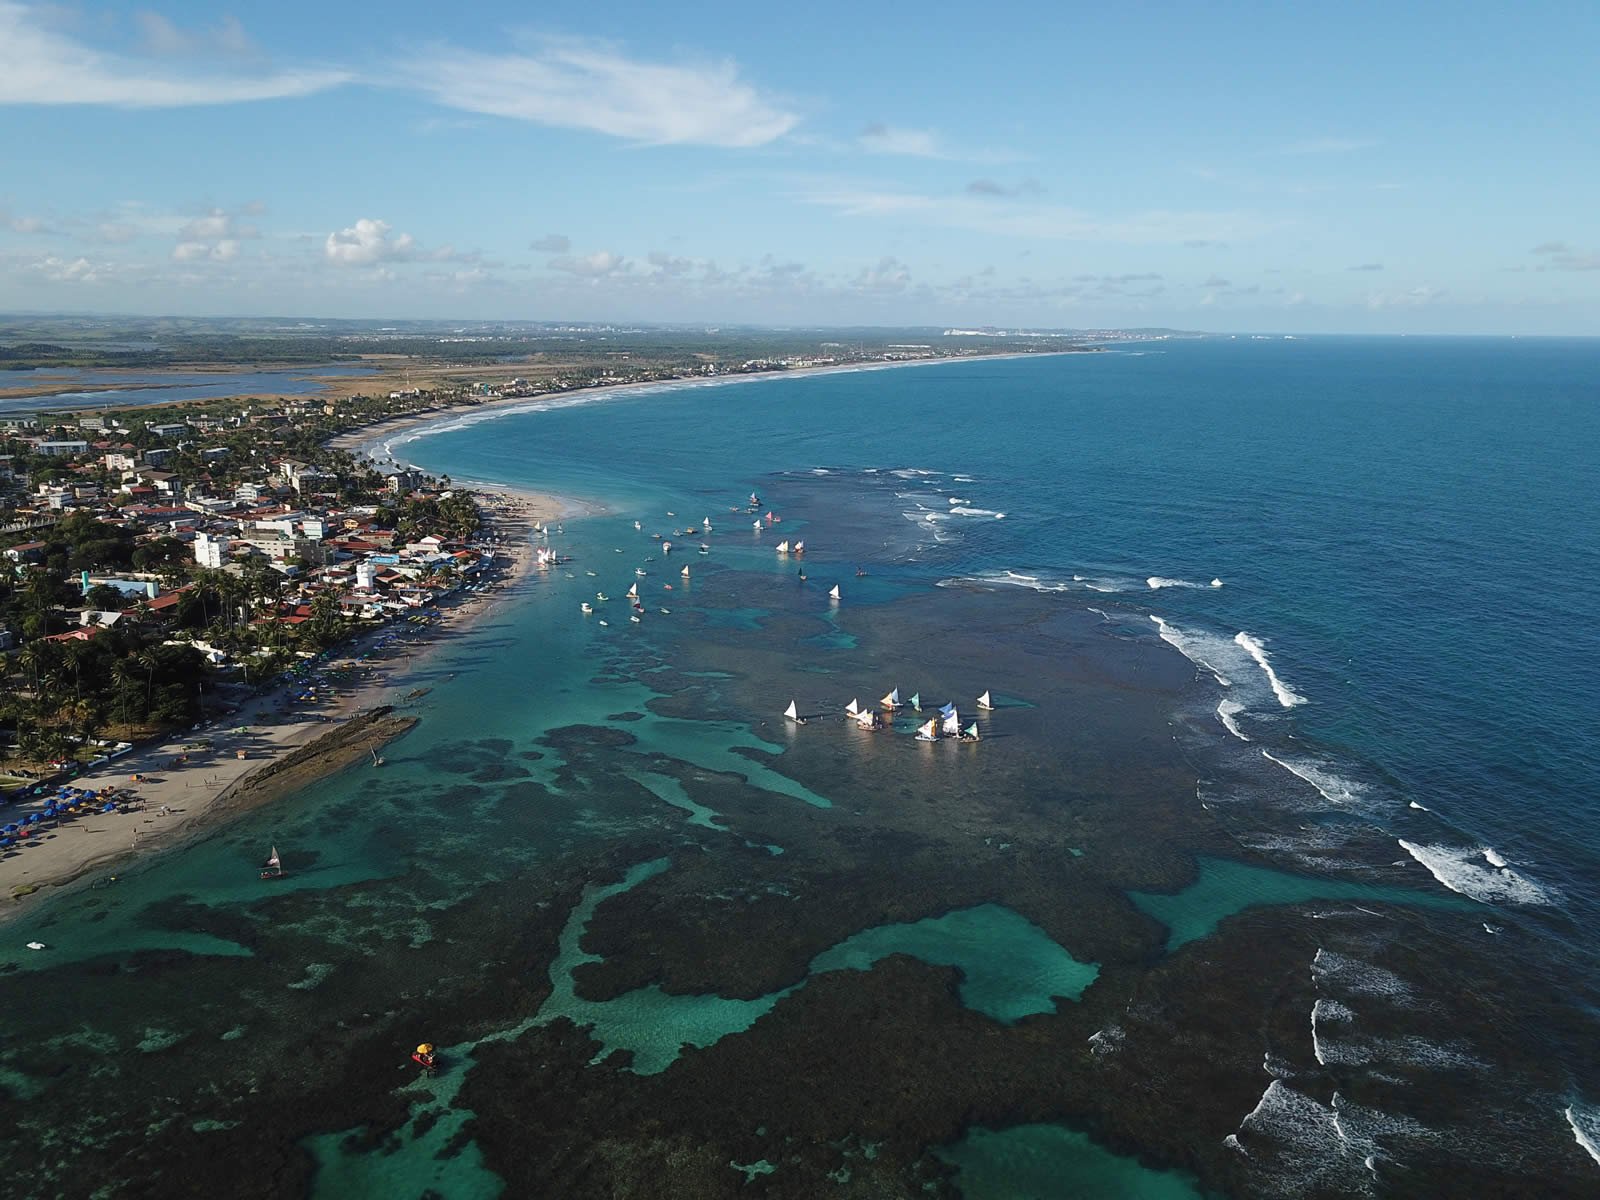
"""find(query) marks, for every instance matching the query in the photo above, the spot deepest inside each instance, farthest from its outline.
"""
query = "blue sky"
(1359, 168)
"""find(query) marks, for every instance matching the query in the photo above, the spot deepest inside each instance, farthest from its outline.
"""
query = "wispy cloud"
(1035, 220)
(1373, 266)
(552, 243)
(576, 84)
(1559, 256)
(988, 187)
(1328, 145)
(888, 139)
(41, 65)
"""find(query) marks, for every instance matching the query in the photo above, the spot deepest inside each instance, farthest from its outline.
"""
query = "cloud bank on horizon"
(1043, 169)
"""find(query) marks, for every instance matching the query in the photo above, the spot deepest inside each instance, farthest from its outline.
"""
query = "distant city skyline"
(1359, 169)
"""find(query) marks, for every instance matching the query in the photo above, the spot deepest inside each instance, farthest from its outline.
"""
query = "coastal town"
(176, 573)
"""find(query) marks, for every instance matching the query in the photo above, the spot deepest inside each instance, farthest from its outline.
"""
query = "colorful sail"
(916, 702)
(971, 732)
(952, 723)
(867, 719)
(892, 700)
(928, 731)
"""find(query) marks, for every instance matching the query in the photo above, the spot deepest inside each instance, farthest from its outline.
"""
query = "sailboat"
(793, 713)
(756, 525)
(799, 547)
(833, 592)
(633, 591)
(666, 547)
(706, 524)
(273, 867)
(928, 731)
(892, 700)
(866, 719)
(916, 701)
(970, 733)
(636, 525)
(952, 723)
(377, 759)
(853, 708)
(984, 701)
(783, 546)
(684, 572)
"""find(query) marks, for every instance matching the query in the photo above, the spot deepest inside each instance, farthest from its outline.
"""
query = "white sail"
(756, 525)
(783, 547)
(684, 572)
(892, 700)
(952, 723)
(633, 591)
(928, 731)
(833, 593)
(706, 524)
(273, 860)
(852, 708)
(792, 712)
(666, 547)
(867, 719)
(799, 547)
(984, 701)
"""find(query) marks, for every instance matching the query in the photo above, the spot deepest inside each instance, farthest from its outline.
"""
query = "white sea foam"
(1461, 869)
(1423, 807)
(963, 479)
(1226, 709)
(1492, 856)
(1286, 696)
(1585, 1122)
(1325, 1012)
(1340, 972)
(914, 473)
(1199, 649)
(1334, 788)
(1157, 582)
(963, 511)
(958, 500)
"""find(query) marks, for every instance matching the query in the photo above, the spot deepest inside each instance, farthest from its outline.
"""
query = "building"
(211, 551)
(167, 431)
(63, 449)
(117, 460)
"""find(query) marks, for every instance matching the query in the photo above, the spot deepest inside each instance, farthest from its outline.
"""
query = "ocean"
(1271, 873)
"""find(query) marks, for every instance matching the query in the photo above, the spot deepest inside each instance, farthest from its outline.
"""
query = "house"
(26, 552)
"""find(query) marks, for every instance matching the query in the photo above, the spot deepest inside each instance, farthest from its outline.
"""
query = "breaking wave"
(1585, 1122)
(1462, 870)
(1226, 710)
(1286, 695)
(1198, 648)
(1334, 788)
(963, 511)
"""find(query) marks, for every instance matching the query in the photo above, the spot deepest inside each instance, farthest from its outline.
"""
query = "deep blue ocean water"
(1377, 558)
(1411, 527)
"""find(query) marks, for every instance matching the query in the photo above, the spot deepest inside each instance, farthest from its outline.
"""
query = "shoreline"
(194, 781)
(361, 439)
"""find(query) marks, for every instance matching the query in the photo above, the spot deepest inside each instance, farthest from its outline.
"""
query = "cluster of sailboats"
(946, 725)
(632, 596)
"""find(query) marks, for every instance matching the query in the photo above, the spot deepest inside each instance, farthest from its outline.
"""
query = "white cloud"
(40, 65)
(1417, 297)
(161, 36)
(73, 270)
(368, 242)
(225, 250)
(590, 266)
(585, 85)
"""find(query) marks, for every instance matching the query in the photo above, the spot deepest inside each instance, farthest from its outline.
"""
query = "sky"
(1350, 168)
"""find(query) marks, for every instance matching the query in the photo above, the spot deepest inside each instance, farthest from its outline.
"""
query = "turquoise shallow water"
(1401, 531)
